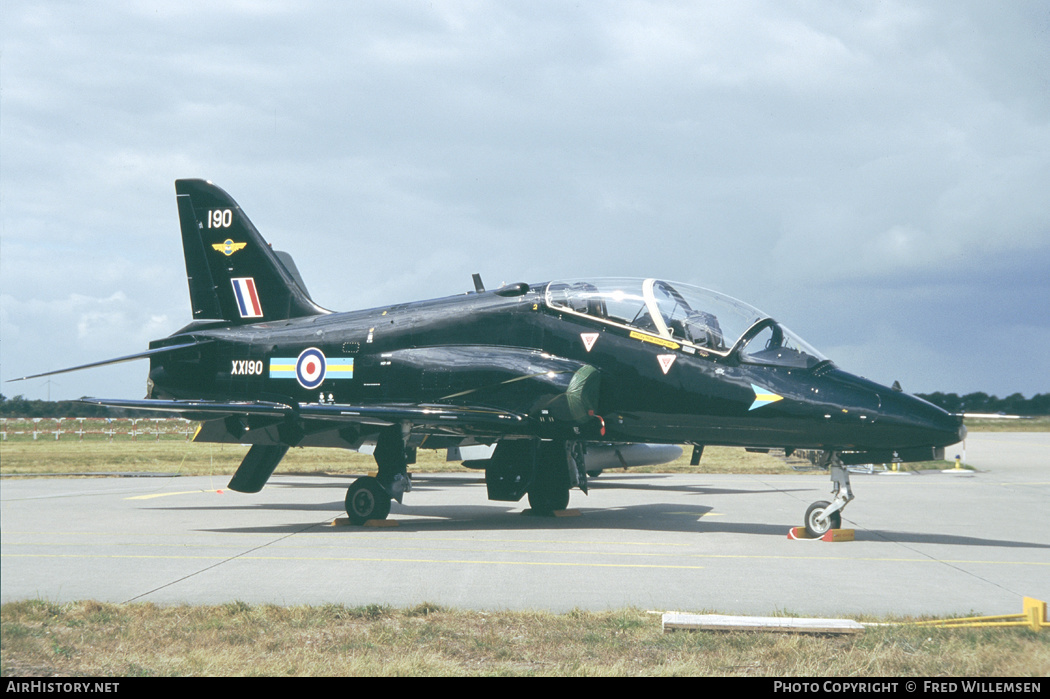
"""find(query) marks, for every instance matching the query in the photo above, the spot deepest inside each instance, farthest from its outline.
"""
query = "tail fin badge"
(247, 297)
(228, 247)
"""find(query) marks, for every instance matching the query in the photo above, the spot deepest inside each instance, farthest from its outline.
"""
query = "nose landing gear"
(822, 515)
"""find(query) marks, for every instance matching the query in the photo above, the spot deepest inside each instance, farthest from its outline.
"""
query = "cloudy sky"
(876, 175)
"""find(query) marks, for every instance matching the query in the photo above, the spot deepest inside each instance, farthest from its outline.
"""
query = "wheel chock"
(378, 523)
(799, 533)
(553, 513)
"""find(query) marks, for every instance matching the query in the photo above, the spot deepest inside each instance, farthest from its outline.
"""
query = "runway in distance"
(557, 375)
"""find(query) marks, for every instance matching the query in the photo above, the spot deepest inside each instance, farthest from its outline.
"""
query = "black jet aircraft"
(545, 372)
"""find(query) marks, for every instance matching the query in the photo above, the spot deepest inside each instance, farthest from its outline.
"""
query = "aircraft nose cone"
(950, 428)
(901, 421)
(919, 423)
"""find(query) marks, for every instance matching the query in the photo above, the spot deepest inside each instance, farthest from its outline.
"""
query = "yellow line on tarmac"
(532, 552)
(409, 546)
(553, 563)
(361, 560)
(362, 534)
(161, 495)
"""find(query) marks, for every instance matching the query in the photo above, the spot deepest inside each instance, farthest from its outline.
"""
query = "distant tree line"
(1015, 404)
(20, 406)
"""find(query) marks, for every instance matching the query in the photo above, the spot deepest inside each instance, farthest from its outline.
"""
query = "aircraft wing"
(432, 415)
(441, 418)
(198, 409)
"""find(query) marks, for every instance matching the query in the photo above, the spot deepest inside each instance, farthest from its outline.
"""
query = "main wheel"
(366, 499)
(549, 490)
(547, 499)
(817, 525)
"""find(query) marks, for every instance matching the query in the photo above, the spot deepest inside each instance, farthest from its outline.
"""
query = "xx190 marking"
(247, 367)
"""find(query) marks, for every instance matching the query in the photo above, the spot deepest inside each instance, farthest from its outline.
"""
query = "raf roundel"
(310, 368)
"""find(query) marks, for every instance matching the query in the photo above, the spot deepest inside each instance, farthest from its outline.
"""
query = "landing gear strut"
(369, 498)
(822, 515)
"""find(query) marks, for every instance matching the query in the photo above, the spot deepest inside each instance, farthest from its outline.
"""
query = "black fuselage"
(514, 352)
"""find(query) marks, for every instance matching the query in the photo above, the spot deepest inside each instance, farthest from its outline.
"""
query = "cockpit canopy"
(688, 315)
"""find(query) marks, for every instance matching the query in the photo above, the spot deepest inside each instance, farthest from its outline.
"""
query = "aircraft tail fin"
(233, 273)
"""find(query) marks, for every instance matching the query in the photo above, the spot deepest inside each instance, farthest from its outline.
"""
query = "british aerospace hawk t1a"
(548, 373)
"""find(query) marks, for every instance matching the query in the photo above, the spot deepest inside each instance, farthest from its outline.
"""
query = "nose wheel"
(823, 516)
(818, 523)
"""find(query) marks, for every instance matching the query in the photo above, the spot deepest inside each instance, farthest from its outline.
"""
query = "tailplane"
(233, 273)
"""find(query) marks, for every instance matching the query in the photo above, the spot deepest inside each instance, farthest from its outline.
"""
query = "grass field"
(1028, 424)
(73, 457)
(165, 449)
(97, 446)
(186, 458)
(92, 639)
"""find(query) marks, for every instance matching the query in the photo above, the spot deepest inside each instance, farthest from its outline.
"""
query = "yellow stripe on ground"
(161, 495)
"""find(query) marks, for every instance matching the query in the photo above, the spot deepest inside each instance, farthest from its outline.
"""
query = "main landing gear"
(549, 490)
(546, 470)
(369, 498)
(822, 516)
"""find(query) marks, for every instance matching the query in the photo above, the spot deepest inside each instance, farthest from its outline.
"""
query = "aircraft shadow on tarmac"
(664, 517)
(668, 517)
(422, 483)
(621, 483)
(943, 539)
(642, 518)
(493, 516)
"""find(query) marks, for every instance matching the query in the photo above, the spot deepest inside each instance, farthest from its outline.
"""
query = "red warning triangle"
(588, 340)
(666, 360)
